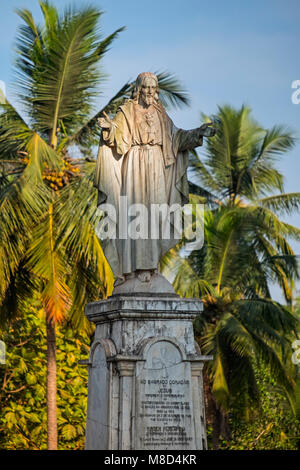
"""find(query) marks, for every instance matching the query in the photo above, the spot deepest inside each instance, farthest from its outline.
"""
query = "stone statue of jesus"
(143, 156)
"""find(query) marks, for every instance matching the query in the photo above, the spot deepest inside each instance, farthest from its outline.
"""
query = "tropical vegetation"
(49, 216)
(52, 264)
(246, 250)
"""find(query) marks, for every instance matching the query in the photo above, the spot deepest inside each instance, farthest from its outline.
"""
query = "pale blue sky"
(223, 51)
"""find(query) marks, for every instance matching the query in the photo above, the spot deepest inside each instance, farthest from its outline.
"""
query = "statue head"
(146, 89)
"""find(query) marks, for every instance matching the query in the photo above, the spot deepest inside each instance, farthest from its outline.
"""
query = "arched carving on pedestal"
(148, 343)
(108, 347)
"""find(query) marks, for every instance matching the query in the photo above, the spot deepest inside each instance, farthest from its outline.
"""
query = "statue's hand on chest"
(147, 128)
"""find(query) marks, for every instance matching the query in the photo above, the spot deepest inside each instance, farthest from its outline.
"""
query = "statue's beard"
(149, 99)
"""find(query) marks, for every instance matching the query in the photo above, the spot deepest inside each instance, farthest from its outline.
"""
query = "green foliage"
(240, 160)
(23, 420)
(45, 224)
(57, 65)
(57, 76)
(270, 424)
(48, 213)
(246, 248)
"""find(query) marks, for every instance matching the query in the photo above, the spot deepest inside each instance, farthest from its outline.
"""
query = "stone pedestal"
(145, 374)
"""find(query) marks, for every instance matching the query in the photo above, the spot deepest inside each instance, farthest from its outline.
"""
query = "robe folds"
(144, 157)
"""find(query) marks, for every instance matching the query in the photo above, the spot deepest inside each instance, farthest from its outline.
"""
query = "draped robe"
(142, 156)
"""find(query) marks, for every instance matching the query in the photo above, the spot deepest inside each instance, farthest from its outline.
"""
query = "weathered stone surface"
(127, 320)
(139, 343)
(164, 405)
(99, 393)
(156, 284)
(97, 414)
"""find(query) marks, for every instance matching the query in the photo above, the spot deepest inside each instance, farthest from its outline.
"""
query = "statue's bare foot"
(144, 276)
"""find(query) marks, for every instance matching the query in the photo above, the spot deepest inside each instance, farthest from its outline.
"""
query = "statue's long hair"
(139, 83)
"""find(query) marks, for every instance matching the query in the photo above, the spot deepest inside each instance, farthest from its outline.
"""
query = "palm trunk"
(51, 386)
(215, 417)
(212, 414)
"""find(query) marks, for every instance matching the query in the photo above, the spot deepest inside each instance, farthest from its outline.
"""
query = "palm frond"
(259, 314)
(200, 175)
(105, 44)
(58, 84)
(282, 203)
(90, 130)
(171, 91)
(14, 133)
(276, 142)
(39, 155)
(51, 18)
(21, 206)
(20, 288)
(79, 219)
(49, 264)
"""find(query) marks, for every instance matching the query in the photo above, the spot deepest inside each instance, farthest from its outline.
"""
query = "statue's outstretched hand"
(105, 121)
(207, 131)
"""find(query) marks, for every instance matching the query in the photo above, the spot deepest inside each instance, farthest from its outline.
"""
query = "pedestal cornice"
(143, 307)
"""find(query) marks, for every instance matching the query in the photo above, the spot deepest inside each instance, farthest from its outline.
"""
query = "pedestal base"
(145, 375)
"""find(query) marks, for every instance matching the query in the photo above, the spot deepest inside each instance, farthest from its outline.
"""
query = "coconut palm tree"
(240, 323)
(48, 213)
(246, 248)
